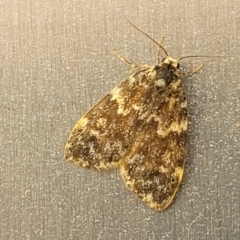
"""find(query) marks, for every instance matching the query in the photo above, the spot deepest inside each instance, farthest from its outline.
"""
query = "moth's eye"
(178, 65)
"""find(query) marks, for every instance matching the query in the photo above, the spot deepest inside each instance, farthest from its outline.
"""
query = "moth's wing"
(154, 166)
(106, 132)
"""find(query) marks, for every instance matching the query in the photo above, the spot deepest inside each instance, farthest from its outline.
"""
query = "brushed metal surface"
(56, 61)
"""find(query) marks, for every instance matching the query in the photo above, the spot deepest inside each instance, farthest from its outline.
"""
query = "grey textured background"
(56, 61)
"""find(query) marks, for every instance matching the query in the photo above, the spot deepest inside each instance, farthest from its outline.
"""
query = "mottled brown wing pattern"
(140, 127)
(154, 166)
(106, 132)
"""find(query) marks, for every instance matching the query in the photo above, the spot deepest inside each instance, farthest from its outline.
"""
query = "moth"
(139, 127)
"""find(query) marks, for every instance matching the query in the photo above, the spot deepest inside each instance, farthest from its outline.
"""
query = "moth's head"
(171, 62)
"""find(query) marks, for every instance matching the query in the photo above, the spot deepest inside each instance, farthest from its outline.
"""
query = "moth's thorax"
(165, 72)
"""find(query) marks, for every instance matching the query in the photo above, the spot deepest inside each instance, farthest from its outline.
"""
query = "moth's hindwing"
(106, 132)
(153, 168)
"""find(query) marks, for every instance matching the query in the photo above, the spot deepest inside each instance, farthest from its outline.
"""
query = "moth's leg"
(133, 66)
(191, 72)
(123, 59)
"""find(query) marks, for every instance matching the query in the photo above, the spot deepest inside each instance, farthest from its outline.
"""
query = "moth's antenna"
(202, 56)
(148, 37)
